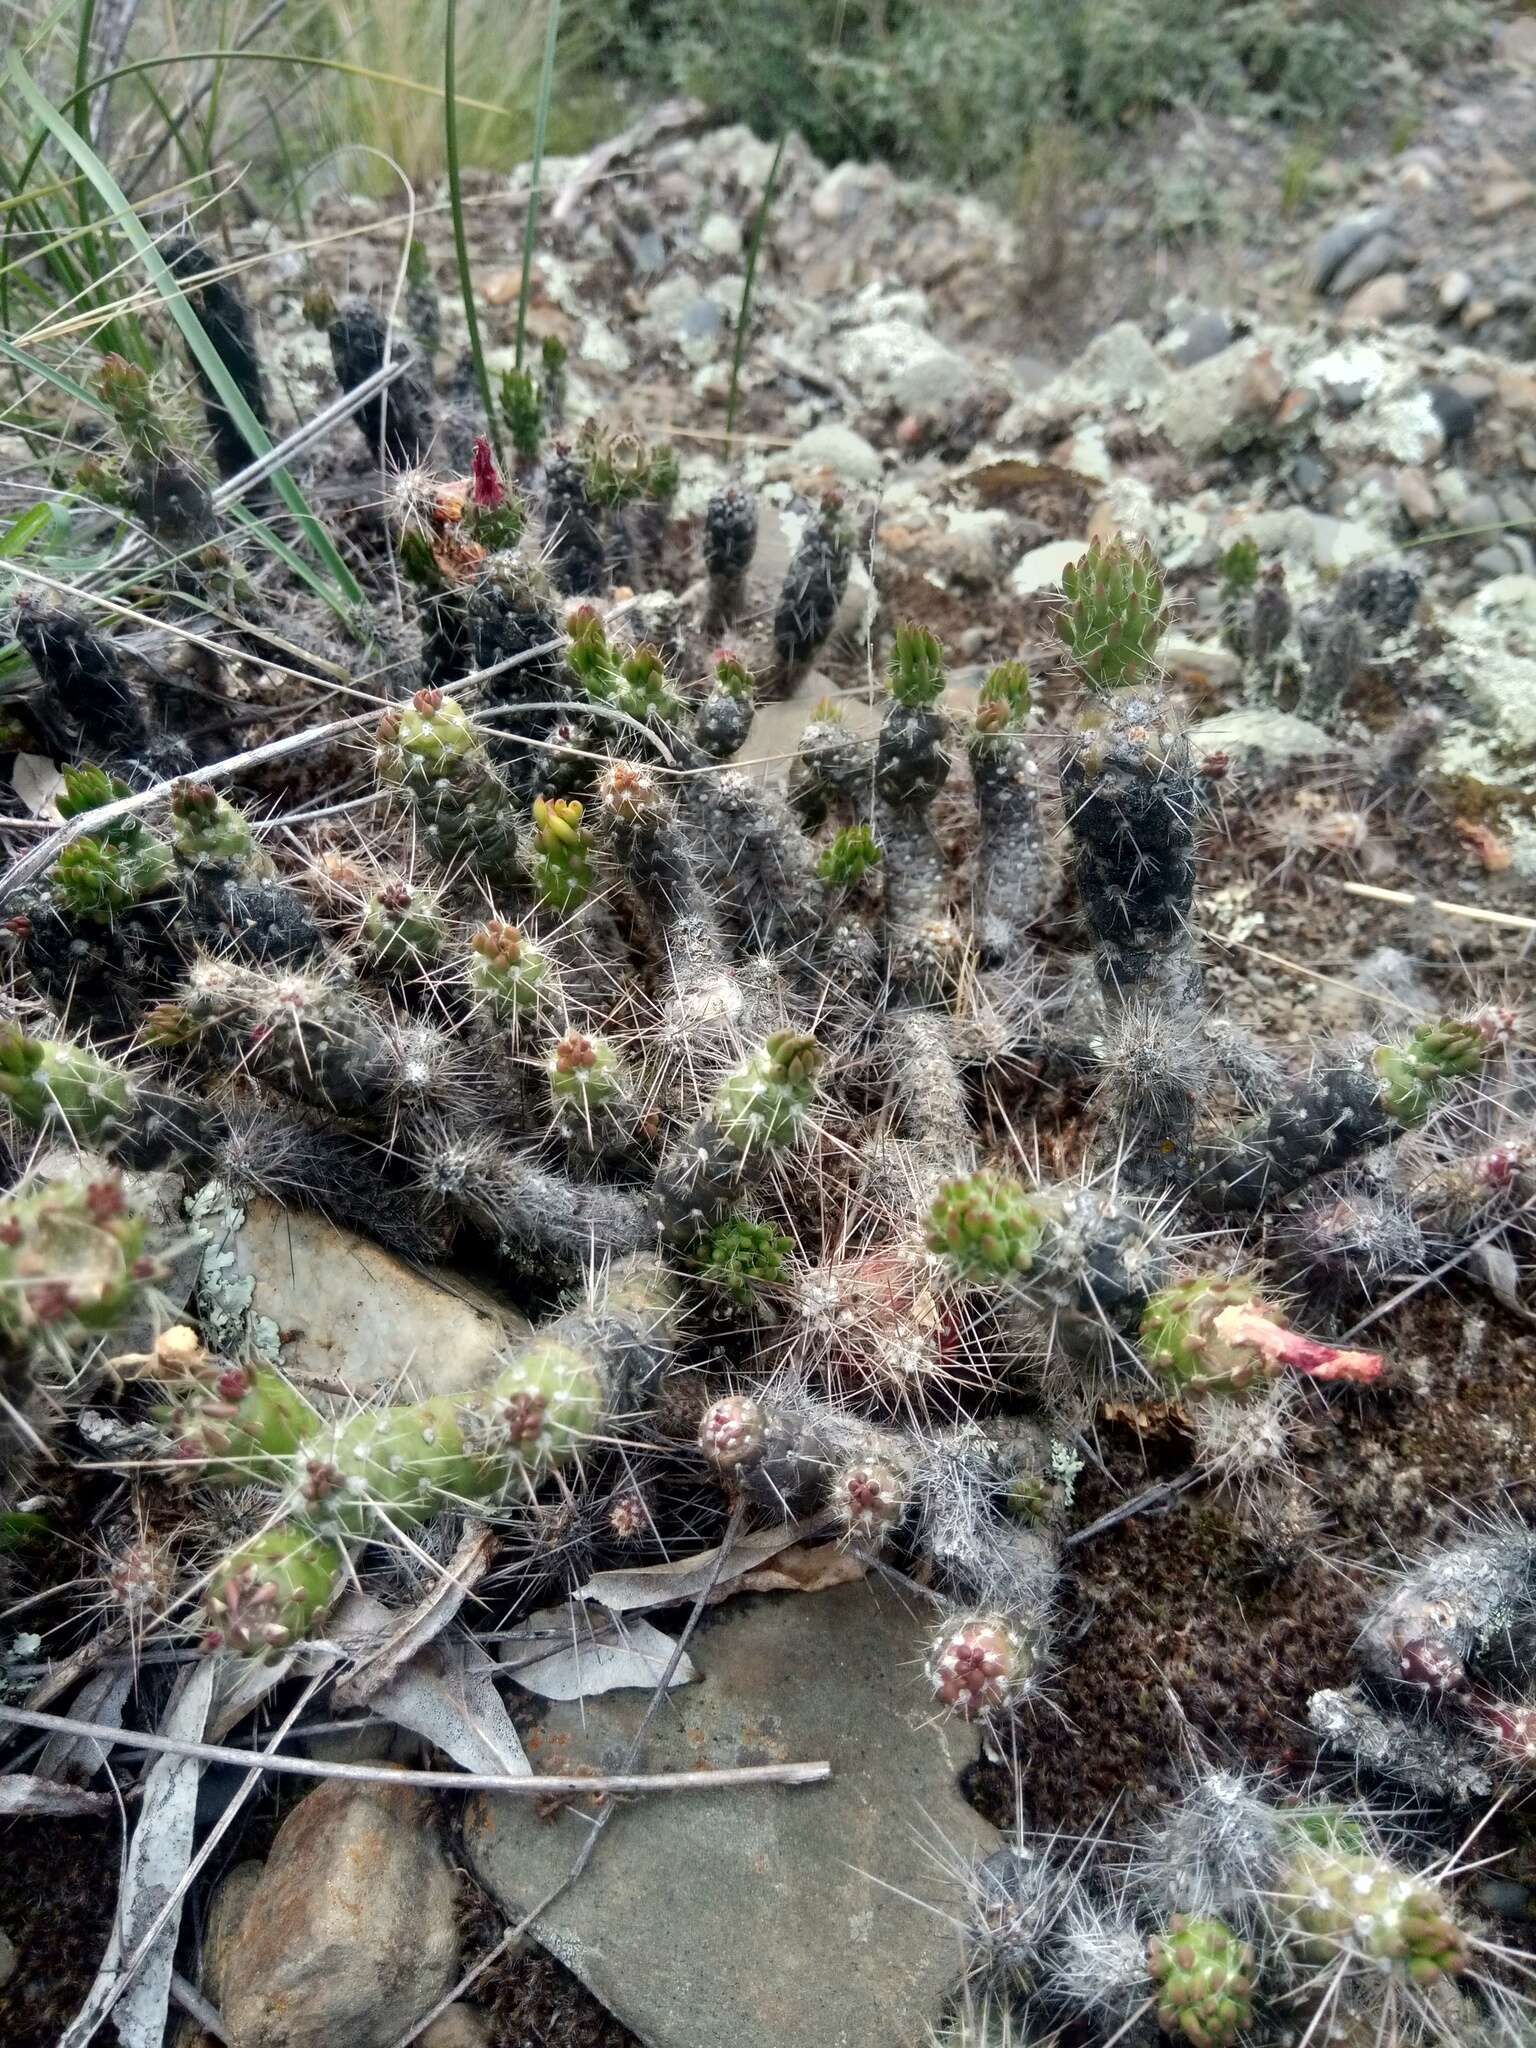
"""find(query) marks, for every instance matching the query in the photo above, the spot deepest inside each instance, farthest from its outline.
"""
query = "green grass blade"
(536, 171)
(36, 367)
(346, 590)
(745, 315)
(456, 204)
(23, 529)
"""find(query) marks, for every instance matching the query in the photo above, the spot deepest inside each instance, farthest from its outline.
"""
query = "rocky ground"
(1347, 382)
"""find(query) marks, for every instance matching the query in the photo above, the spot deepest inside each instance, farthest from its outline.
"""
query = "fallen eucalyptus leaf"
(684, 1578)
(590, 1654)
(100, 1699)
(447, 1694)
(21, 1795)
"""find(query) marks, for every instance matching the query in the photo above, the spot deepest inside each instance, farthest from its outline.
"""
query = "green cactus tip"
(917, 667)
(1204, 1979)
(738, 1257)
(767, 1100)
(584, 1073)
(511, 973)
(270, 1594)
(206, 830)
(53, 1084)
(732, 675)
(1114, 615)
(1003, 705)
(402, 927)
(1214, 1335)
(1363, 1907)
(546, 1405)
(986, 1228)
(1417, 1075)
(561, 867)
(849, 858)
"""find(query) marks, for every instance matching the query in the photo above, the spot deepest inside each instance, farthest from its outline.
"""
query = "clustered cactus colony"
(625, 1021)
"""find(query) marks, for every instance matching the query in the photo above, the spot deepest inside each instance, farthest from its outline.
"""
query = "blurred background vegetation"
(968, 94)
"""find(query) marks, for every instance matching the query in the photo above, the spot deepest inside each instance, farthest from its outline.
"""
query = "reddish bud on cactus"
(1511, 1730)
(486, 486)
(870, 1498)
(733, 1432)
(979, 1665)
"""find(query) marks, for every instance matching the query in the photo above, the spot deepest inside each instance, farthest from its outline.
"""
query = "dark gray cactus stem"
(262, 922)
(730, 541)
(573, 528)
(754, 855)
(1322, 1124)
(221, 306)
(697, 1183)
(813, 590)
(89, 705)
(930, 1117)
(533, 1214)
(397, 423)
(922, 942)
(1010, 855)
(722, 724)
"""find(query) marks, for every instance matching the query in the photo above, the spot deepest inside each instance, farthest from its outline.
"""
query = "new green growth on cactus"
(1114, 617)
(561, 867)
(766, 1102)
(1347, 1904)
(73, 1261)
(427, 744)
(1003, 703)
(732, 675)
(739, 1256)
(584, 1073)
(403, 929)
(1240, 567)
(1416, 1076)
(270, 1594)
(916, 673)
(849, 858)
(986, 1227)
(389, 1469)
(209, 831)
(103, 873)
(511, 973)
(545, 1406)
(54, 1084)
(1204, 1978)
(236, 1425)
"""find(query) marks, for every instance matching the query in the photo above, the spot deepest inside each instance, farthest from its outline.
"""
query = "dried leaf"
(1502, 1273)
(156, 1863)
(589, 1654)
(419, 1625)
(804, 1569)
(22, 1795)
(447, 1694)
(684, 1578)
(1482, 840)
(992, 481)
(79, 1757)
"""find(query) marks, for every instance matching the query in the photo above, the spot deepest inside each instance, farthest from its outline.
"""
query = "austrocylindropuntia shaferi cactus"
(985, 1228)
(230, 1423)
(1210, 1335)
(1349, 1905)
(1204, 1976)
(561, 863)
(1114, 617)
(55, 1084)
(271, 1593)
(546, 1405)
(733, 1431)
(509, 973)
(74, 1261)
(981, 1664)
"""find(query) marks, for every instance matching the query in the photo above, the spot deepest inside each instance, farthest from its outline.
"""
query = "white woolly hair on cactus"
(1245, 1445)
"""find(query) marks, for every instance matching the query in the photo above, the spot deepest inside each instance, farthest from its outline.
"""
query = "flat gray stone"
(1273, 739)
(841, 450)
(753, 1918)
(1332, 250)
(1374, 255)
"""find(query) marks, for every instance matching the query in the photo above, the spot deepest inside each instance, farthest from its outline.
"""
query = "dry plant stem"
(1509, 918)
(193, 2003)
(442, 1781)
(1152, 1500)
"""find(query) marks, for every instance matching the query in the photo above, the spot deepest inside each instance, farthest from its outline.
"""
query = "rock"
(702, 320)
(1494, 563)
(1416, 495)
(361, 1317)
(1202, 336)
(721, 235)
(1517, 390)
(1265, 739)
(1515, 42)
(461, 2026)
(351, 1934)
(1453, 292)
(226, 1916)
(1456, 412)
(841, 450)
(1525, 448)
(1041, 568)
(1119, 367)
(899, 361)
(1502, 195)
(1206, 664)
(840, 196)
(1384, 298)
(769, 1885)
(1333, 250)
(1376, 254)
(1348, 375)
(1476, 312)
(1223, 404)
